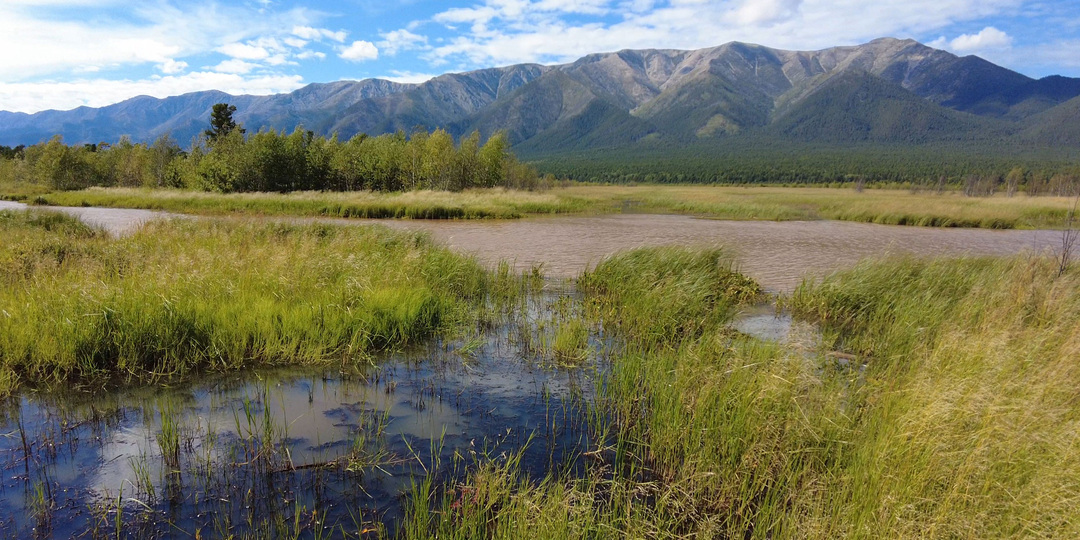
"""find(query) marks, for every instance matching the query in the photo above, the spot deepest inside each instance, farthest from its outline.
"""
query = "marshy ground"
(948, 208)
(937, 398)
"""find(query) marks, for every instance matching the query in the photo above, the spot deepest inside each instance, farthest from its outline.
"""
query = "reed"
(183, 296)
(883, 206)
(471, 204)
(954, 414)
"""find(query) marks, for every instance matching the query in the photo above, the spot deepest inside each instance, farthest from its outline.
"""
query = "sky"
(62, 54)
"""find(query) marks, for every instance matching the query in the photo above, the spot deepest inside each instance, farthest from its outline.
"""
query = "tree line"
(228, 160)
(973, 168)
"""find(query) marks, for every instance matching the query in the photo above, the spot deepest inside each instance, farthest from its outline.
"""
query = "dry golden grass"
(885, 206)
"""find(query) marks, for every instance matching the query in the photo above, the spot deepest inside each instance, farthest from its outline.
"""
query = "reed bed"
(968, 422)
(882, 206)
(471, 204)
(182, 296)
(942, 405)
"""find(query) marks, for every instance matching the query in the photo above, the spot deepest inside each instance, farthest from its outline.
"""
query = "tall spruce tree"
(221, 122)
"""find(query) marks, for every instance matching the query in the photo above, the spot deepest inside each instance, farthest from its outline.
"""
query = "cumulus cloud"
(360, 51)
(145, 33)
(31, 97)
(988, 38)
(307, 32)
(408, 77)
(172, 67)
(295, 43)
(511, 31)
(235, 66)
(401, 40)
(765, 11)
(244, 51)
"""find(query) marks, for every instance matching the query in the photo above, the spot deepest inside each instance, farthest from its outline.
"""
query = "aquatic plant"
(954, 417)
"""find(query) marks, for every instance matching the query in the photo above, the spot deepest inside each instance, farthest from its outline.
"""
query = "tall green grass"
(182, 296)
(953, 413)
(969, 424)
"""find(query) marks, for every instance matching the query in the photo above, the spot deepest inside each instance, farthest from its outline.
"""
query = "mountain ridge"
(888, 90)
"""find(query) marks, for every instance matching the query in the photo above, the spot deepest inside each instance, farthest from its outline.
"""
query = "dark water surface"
(778, 254)
(278, 452)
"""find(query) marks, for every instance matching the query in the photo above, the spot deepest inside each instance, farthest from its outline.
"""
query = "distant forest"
(229, 161)
(975, 167)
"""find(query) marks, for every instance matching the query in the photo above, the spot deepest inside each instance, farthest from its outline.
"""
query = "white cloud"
(511, 31)
(172, 67)
(295, 43)
(588, 7)
(765, 11)
(150, 33)
(408, 77)
(401, 40)
(244, 51)
(306, 55)
(307, 32)
(279, 60)
(988, 38)
(360, 51)
(31, 97)
(235, 65)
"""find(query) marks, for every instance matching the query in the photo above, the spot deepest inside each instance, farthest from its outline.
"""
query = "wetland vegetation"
(427, 397)
(179, 297)
(938, 404)
(888, 206)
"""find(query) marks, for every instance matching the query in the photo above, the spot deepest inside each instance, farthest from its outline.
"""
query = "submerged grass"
(955, 416)
(883, 206)
(182, 296)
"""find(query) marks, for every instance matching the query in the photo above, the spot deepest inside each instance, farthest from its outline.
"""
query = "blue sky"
(60, 54)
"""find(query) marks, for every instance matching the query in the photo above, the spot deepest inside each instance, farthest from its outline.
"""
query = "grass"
(958, 417)
(471, 204)
(971, 421)
(182, 296)
(883, 206)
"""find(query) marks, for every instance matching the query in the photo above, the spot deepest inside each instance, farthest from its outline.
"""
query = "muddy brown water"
(777, 254)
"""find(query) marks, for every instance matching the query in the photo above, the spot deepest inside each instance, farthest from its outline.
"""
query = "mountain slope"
(857, 106)
(885, 90)
(1059, 126)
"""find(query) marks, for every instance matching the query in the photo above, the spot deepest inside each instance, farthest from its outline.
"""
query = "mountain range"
(888, 90)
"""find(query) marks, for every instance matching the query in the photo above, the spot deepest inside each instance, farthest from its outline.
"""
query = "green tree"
(164, 170)
(493, 159)
(466, 172)
(221, 122)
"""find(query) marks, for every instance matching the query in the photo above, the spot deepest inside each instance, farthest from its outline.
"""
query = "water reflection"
(265, 451)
